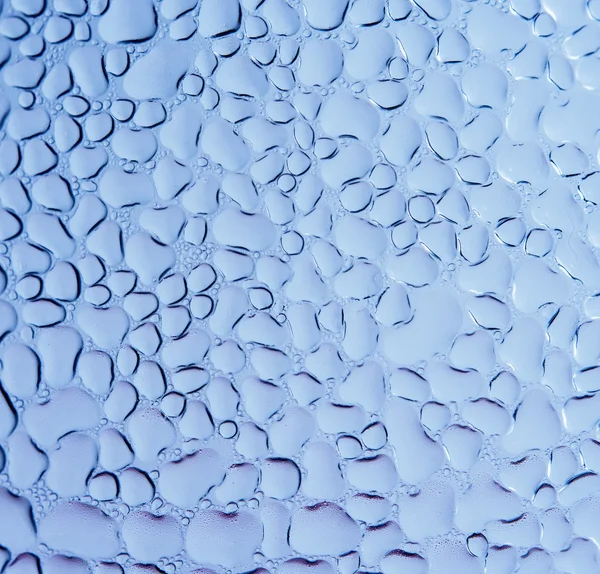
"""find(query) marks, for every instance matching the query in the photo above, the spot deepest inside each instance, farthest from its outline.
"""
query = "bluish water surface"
(299, 286)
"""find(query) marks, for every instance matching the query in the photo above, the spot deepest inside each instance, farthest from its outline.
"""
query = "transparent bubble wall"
(299, 286)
